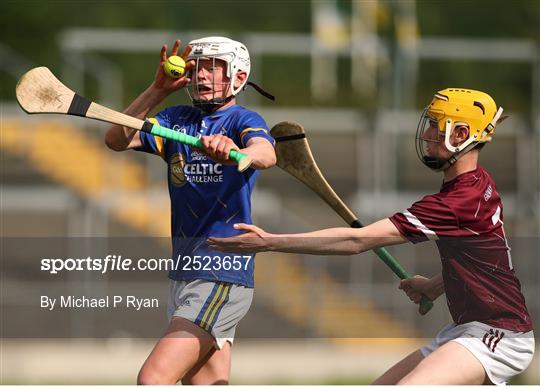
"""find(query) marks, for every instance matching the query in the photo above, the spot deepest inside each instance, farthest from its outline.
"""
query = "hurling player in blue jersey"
(210, 291)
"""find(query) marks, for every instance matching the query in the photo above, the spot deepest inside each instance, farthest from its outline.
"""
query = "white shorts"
(503, 353)
(216, 307)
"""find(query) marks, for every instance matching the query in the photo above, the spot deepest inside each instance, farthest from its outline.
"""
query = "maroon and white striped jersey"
(465, 219)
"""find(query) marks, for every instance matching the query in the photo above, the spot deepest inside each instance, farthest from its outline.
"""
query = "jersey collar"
(220, 113)
(462, 177)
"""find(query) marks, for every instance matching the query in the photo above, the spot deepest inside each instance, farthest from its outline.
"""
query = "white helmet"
(234, 53)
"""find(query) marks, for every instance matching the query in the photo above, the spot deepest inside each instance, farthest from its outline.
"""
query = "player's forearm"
(262, 153)
(146, 101)
(120, 137)
(436, 287)
(332, 241)
(339, 241)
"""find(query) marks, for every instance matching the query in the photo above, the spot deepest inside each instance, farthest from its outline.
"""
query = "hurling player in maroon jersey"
(491, 338)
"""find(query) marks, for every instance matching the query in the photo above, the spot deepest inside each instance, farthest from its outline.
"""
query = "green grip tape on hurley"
(425, 303)
(241, 159)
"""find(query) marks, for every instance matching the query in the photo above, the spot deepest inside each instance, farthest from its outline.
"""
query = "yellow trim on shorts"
(217, 301)
(218, 305)
(206, 313)
(159, 141)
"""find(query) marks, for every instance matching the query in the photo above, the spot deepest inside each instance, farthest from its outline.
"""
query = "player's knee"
(145, 378)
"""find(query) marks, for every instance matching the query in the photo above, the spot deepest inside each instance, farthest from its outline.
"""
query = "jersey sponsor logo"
(181, 171)
(179, 128)
(176, 170)
(492, 338)
(198, 156)
(204, 173)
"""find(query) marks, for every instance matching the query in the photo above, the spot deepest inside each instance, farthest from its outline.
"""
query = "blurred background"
(356, 74)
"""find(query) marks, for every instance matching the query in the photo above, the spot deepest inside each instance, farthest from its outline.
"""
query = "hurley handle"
(241, 159)
(425, 303)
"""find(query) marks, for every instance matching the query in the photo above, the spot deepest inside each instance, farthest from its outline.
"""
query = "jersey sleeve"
(252, 125)
(155, 144)
(428, 219)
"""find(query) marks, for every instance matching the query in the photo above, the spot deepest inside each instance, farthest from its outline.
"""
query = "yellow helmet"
(455, 107)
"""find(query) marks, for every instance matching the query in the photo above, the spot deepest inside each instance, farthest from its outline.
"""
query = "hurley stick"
(294, 157)
(39, 91)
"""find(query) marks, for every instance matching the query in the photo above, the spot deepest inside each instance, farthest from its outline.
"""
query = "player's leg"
(184, 342)
(180, 349)
(214, 368)
(215, 308)
(452, 363)
(400, 369)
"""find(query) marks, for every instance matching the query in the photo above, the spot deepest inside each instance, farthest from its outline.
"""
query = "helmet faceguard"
(236, 57)
(451, 108)
(422, 144)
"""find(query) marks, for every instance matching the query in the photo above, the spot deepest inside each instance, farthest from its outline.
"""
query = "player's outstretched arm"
(331, 241)
(417, 286)
(120, 138)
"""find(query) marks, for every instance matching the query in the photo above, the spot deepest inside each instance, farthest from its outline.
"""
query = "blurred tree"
(480, 18)
(32, 27)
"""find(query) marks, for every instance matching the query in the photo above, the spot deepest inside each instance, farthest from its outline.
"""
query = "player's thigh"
(214, 368)
(183, 345)
(452, 363)
(400, 369)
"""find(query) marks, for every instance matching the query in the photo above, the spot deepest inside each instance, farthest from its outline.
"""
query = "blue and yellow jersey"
(207, 198)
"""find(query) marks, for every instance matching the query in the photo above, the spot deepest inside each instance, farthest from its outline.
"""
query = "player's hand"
(417, 286)
(253, 240)
(167, 84)
(218, 147)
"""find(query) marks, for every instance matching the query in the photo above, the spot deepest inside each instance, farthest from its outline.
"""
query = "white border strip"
(419, 225)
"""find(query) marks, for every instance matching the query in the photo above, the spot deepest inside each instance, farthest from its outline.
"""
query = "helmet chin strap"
(439, 165)
(212, 104)
(434, 163)
(261, 91)
(215, 103)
